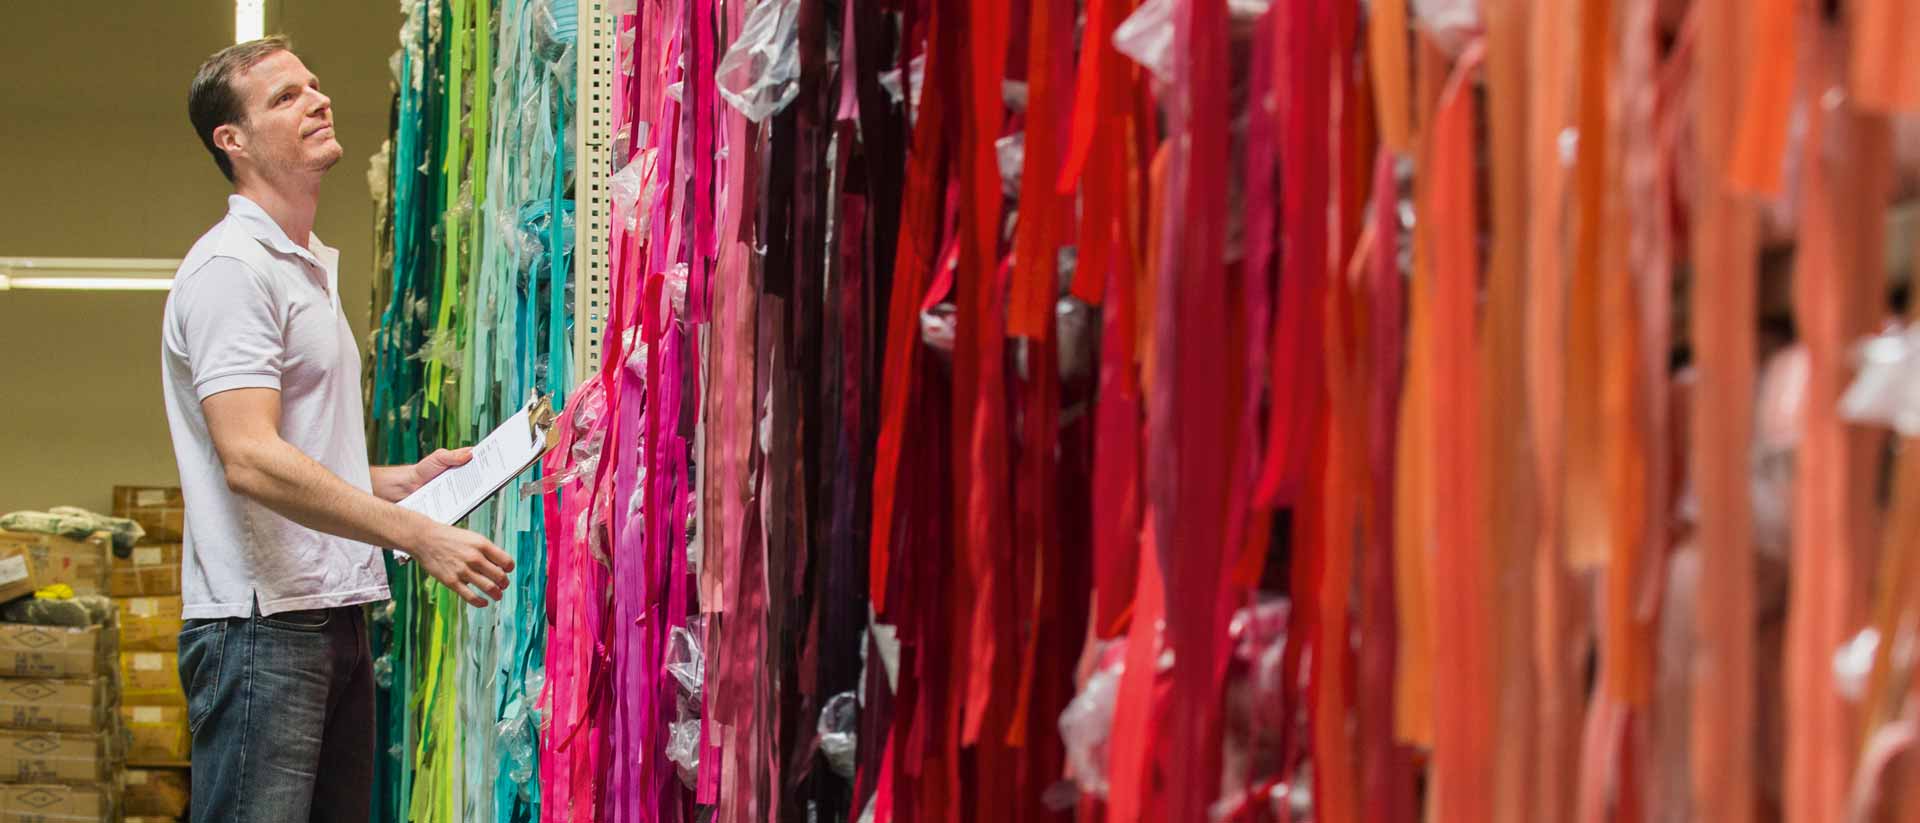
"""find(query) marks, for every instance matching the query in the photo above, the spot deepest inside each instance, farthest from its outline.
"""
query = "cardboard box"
(157, 734)
(27, 650)
(81, 564)
(150, 571)
(158, 509)
(149, 623)
(48, 803)
(16, 572)
(56, 705)
(161, 793)
(150, 679)
(54, 757)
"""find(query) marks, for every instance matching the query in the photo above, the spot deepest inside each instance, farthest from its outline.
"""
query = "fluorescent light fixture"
(249, 20)
(87, 273)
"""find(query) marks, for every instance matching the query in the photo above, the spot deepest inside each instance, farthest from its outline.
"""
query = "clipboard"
(499, 457)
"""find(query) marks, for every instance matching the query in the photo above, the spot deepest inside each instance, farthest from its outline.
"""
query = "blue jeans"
(281, 710)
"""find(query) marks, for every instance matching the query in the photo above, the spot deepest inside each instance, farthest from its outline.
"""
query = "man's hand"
(394, 483)
(461, 559)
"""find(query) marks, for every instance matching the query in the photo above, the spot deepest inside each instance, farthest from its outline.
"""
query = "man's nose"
(318, 102)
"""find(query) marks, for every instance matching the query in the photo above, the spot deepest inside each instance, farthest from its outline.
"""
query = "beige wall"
(97, 159)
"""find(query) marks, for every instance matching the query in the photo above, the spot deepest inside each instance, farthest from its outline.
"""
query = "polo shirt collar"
(259, 225)
(262, 227)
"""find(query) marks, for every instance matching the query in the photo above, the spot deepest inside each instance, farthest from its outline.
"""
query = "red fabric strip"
(980, 410)
(913, 265)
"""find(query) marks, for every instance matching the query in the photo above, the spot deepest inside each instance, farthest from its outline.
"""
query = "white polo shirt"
(249, 309)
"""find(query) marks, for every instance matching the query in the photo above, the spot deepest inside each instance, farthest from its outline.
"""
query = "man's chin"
(327, 157)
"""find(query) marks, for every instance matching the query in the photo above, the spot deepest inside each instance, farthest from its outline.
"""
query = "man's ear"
(228, 138)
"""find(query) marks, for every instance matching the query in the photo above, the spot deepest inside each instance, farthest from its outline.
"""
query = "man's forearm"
(280, 477)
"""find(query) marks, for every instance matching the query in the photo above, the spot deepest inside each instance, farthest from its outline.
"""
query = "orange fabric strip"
(1416, 490)
(1505, 425)
(1387, 48)
(1886, 78)
(1845, 170)
(1463, 747)
(1585, 494)
(1556, 653)
(1760, 148)
(1725, 246)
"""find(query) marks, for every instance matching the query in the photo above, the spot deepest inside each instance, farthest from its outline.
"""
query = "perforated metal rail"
(593, 206)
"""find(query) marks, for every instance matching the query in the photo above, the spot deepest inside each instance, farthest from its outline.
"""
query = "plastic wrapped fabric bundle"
(76, 524)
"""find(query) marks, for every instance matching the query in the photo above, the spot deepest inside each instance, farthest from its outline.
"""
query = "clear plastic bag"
(676, 289)
(839, 729)
(1885, 390)
(937, 327)
(686, 660)
(1147, 34)
(1011, 152)
(624, 190)
(1087, 721)
(1451, 23)
(768, 50)
(683, 748)
(916, 77)
(1853, 663)
(515, 732)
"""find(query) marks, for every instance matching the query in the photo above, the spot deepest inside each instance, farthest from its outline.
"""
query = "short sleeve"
(229, 328)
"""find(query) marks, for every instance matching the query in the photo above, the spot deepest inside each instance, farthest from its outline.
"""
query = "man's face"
(289, 123)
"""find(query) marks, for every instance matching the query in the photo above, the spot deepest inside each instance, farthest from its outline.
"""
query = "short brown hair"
(211, 101)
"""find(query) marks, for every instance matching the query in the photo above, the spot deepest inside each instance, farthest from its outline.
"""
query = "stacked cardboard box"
(153, 706)
(148, 571)
(146, 592)
(35, 803)
(157, 793)
(61, 748)
(80, 564)
(158, 509)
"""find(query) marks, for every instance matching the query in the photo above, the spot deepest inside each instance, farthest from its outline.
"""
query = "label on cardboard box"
(148, 663)
(146, 556)
(136, 777)
(13, 569)
(148, 714)
(150, 497)
(144, 606)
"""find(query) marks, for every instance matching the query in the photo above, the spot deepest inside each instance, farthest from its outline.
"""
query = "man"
(262, 384)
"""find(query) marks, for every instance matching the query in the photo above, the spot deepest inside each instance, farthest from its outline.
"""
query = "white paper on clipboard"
(497, 459)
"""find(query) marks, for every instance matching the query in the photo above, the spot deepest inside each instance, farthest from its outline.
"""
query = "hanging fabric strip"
(1558, 648)
(1760, 143)
(1725, 243)
(913, 268)
(1885, 78)
(1844, 166)
(1416, 488)
(1387, 48)
(1463, 754)
(1192, 405)
(1506, 433)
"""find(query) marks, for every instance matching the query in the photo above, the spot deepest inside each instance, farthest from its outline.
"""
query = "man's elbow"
(243, 466)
